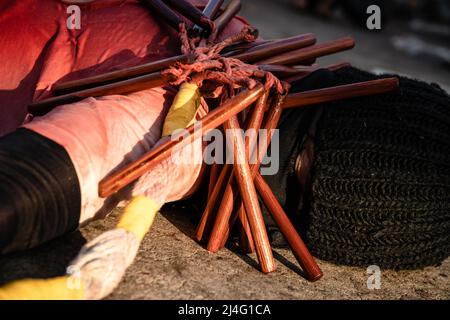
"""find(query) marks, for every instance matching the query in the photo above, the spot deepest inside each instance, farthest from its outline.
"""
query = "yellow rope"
(138, 216)
(62, 288)
(183, 110)
(137, 219)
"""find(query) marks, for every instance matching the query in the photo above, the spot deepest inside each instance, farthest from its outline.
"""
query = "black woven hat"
(379, 191)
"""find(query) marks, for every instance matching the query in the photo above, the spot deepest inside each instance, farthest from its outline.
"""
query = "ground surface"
(171, 265)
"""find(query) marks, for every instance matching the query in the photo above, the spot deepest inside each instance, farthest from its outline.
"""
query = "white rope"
(102, 263)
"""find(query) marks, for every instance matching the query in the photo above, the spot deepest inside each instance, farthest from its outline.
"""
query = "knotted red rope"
(210, 66)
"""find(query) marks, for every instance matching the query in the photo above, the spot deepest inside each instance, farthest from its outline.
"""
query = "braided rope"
(381, 178)
(210, 66)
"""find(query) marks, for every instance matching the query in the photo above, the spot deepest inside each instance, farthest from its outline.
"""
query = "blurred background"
(414, 39)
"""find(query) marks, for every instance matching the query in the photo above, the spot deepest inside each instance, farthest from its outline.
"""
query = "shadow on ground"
(46, 261)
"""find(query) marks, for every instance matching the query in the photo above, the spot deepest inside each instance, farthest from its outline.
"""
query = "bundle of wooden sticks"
(233, 189)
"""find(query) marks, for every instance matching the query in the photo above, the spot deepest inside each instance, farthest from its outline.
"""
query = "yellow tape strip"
(62, 288)
(138, 216)
(183, 110)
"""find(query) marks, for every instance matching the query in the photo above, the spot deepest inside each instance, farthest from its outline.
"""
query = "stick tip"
(316, 276)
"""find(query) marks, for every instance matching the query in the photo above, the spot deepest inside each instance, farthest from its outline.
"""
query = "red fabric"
(101, 134)
(37, 49)
(24, 39)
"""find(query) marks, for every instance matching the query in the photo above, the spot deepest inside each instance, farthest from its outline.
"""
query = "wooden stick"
(207, 220)
(299, 249)
(303, 74)
(218, 188)
(245, 237)
(318, 50)
(119, 75)
(246, 242)
(191, 12)
(338, 66)
(249, 197)
(215, 118)
(275, 48)
(223, 204)
(241, 47)
(270, 124)
(122, 87)
(213, 176)
(285, 71)
(227, 15)
(347, 91)
(144, 69)
(294, 100)
(211, 9)
(226, 205)
(160, 9)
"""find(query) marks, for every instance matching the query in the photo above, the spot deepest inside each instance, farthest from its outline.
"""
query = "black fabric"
(380, 190)
(40, 196)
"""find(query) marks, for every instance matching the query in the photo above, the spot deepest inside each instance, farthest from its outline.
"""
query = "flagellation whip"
(183, 72)
(101, 263)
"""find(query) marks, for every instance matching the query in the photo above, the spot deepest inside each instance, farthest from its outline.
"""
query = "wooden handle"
(242, 47)
(160, 9)
(249, 197)
(209, 214)
(299, 249)
(226, 204)
(270, 124)
(312, 52)
(214, 119)
(231, 10)
(246, 242)
(191, 12)
(122, 87)
(145, 69)
(347, 91)
(211, 9)
(214, 174)
(304, 73)
(119, 75)
(275, 48)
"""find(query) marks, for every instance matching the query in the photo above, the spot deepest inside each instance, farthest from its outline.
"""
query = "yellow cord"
(183, 110)
(61, 288)
(138, 216)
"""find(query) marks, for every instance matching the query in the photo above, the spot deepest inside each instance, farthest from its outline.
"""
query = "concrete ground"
(171, 265)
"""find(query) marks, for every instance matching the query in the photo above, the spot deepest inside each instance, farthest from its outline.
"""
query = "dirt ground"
(171, 265)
